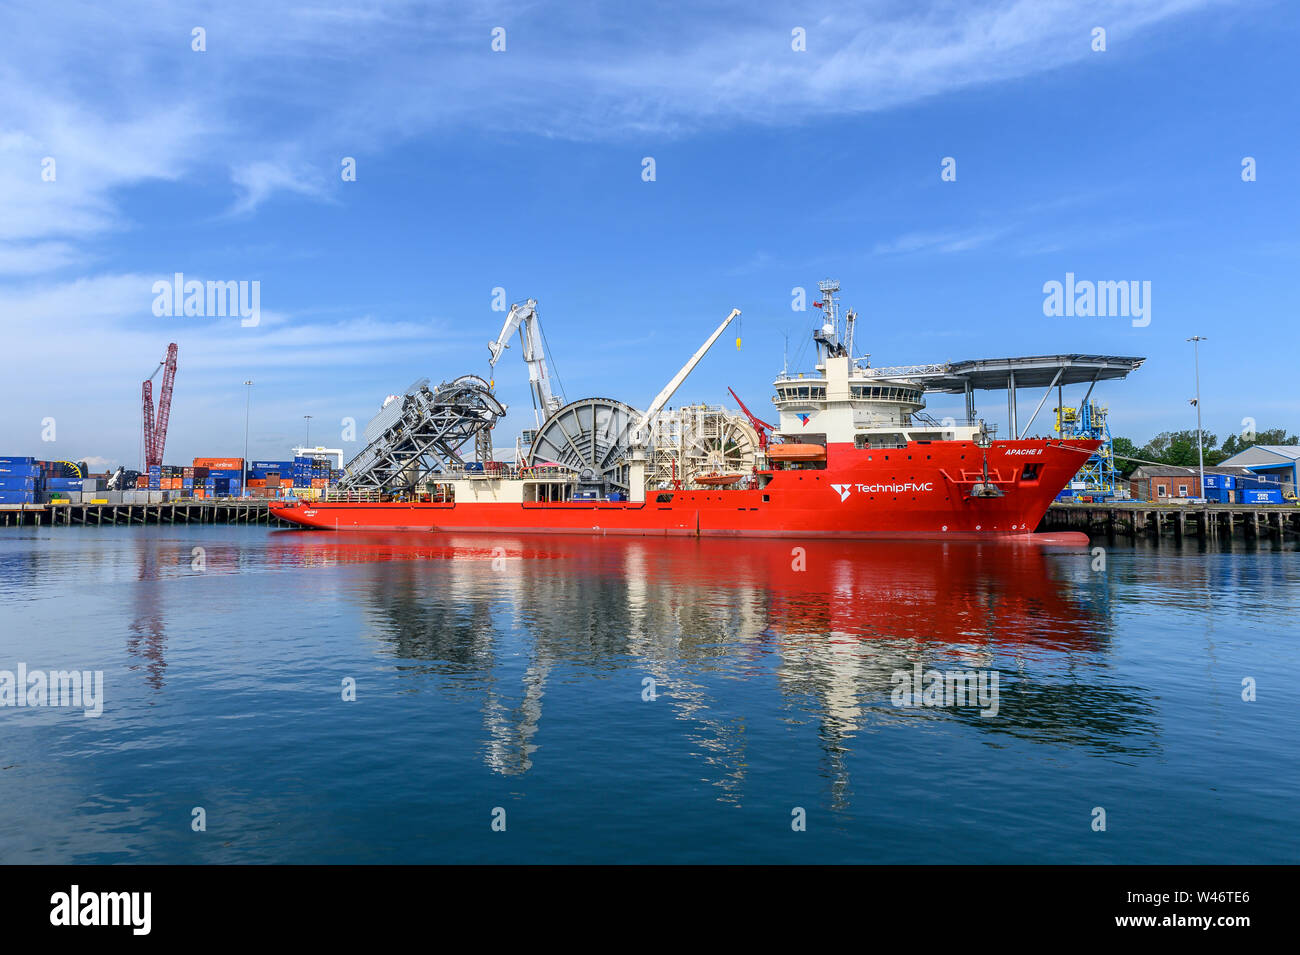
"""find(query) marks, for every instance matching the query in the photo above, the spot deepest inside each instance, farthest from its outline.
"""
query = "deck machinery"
(701, 441)
(422, 432)
(1098, 476)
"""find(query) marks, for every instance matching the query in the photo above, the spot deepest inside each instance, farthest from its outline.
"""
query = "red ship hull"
(922, 491)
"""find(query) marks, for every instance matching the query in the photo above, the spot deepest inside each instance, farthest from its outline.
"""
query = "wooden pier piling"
(1134, 519)
(220, 511)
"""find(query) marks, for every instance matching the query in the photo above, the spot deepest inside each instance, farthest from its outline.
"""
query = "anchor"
(984, 488)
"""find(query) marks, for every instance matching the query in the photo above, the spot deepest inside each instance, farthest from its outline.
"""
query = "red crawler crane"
(762, 427)
(155, 435)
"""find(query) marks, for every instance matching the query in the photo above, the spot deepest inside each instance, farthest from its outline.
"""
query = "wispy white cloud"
(61, 173)
(338, 78)
(941, 242)
(29, 259)
(257, 181)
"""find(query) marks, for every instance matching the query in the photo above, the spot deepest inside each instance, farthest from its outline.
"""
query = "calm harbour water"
(509, 672)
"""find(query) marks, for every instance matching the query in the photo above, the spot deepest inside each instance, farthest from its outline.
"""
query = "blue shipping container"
(9, 461)
(1272, 496)
(17, 483)
(17, 497)
(1258, 484)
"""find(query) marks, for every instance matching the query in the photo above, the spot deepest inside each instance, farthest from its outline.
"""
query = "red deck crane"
(155, 433)
(762, 427)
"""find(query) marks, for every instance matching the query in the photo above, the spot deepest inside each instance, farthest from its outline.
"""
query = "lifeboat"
(796, 452)
(719, 480)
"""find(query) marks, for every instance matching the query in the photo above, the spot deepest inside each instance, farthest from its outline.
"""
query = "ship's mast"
(834, 339)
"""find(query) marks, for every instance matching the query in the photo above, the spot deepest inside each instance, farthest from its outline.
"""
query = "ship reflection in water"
(832, 623)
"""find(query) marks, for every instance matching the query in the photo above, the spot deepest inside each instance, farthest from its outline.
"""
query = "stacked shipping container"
(1241, 489)
(18, 480)
(26, 480)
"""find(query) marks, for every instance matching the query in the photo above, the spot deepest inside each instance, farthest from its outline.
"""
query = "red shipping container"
(221, 464)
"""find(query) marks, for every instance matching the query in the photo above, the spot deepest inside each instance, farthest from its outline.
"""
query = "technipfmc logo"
(844, 490)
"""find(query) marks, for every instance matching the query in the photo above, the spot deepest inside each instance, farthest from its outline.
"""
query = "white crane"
(523, 316)
(637, 460)
(662, 398)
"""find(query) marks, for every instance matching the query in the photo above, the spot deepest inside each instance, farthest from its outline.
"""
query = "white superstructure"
(845, 401)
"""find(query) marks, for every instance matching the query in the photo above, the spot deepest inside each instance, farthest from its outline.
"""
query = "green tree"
(1235, 443)
(1179, 447)
(1275, 436)
(1123, 448)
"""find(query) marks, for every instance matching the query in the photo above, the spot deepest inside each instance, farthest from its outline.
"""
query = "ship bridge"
(1012, 374)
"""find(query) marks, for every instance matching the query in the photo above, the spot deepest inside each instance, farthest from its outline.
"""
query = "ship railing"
(507, 472)
(906, 371)
(948, 421)
(352, 496)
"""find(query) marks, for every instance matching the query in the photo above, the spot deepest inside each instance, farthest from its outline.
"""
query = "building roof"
(1176, 470)
(1264, 454)
(1037, 371)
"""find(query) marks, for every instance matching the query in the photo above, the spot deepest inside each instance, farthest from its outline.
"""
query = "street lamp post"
(1200, 449)
(243, 473)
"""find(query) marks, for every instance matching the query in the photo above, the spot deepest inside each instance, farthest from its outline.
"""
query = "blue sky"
(522, 169)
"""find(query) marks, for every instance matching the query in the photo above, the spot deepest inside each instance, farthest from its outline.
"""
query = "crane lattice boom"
(155, 431)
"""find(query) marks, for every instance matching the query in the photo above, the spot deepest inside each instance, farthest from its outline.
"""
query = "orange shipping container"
(221, 464)
(257, 482)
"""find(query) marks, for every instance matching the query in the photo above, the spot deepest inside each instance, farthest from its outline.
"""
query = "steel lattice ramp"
(421, 433)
